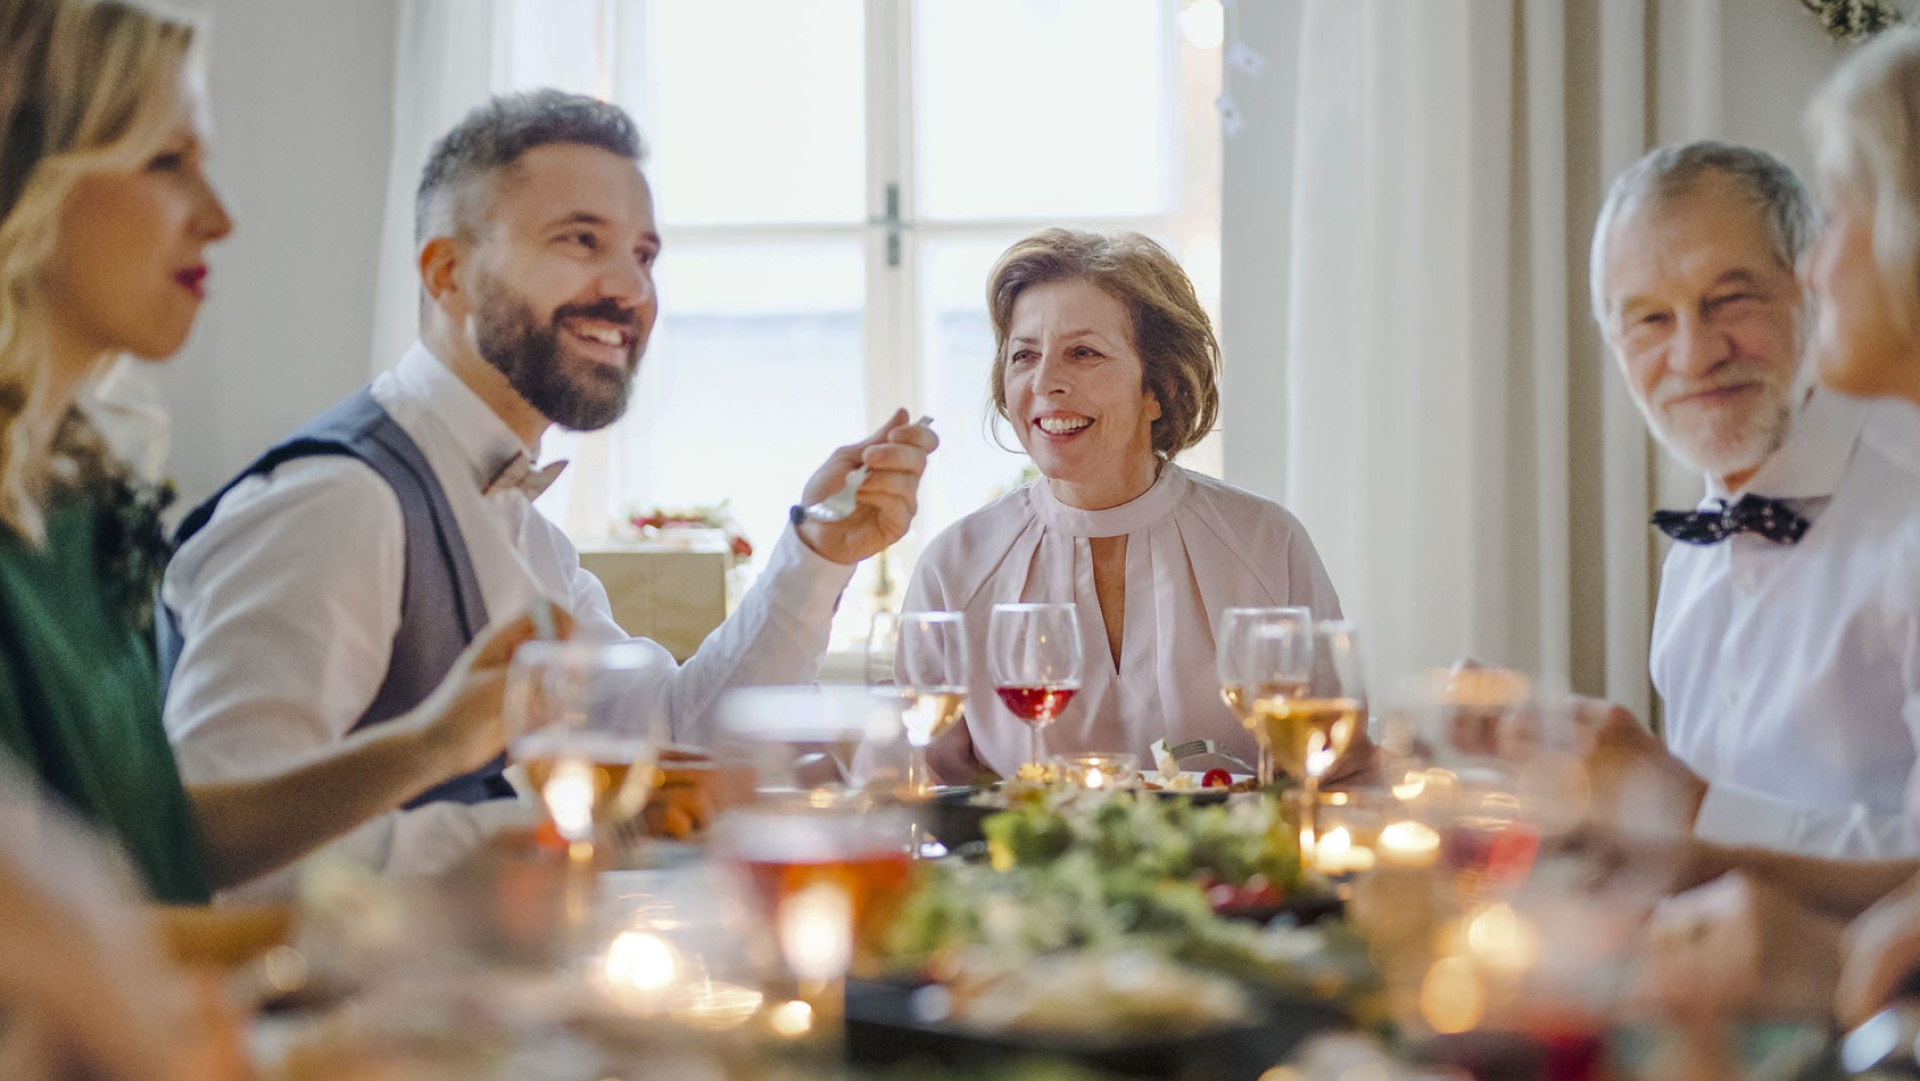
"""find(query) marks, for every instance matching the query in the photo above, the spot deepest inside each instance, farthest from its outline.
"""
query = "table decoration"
(1095, 772)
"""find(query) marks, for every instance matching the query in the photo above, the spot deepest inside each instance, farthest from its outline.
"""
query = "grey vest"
(441, 609)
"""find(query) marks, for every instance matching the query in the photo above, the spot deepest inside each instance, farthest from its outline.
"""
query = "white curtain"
(1449, 427)
(452, 55)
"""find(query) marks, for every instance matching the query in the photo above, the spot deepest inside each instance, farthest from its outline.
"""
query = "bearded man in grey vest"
(333, 581)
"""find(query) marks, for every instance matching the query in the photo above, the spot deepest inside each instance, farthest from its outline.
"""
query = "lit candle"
(816, 932)
(1409, 844)
(792, 1019)
(1336, 854)
(569, 795)
(639, 968)
(1096, 772)
(1502, 940)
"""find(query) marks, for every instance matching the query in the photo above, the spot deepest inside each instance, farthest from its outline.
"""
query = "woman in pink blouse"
(1107, 367)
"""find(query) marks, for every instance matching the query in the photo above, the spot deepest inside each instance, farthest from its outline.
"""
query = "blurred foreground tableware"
(588, 734)
(825, 882)
(223, 936)
(822, 742)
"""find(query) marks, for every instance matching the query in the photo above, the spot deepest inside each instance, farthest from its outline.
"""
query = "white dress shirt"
(289, 600)
(1195, 546)
(1791, 673)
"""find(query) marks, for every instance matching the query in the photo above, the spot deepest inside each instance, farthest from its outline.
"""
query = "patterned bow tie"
(520, 474)
(1770, 518)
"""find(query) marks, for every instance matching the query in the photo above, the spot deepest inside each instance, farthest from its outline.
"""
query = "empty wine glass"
(1033, 653)
(1277, 673)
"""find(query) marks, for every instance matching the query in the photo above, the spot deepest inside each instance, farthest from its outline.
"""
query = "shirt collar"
(1810, 464)
(1142, 511)
(485, 442)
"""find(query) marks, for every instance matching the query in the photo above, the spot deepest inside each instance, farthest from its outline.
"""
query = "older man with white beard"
(1786, 642)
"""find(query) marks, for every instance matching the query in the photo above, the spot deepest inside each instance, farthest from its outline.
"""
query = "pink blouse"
(1195, 546)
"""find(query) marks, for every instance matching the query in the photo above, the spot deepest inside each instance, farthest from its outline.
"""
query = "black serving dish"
(884, 1030)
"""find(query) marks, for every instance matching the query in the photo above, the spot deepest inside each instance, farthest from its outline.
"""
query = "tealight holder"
(1097, 772)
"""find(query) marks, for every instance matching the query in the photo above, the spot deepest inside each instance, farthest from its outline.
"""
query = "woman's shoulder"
(1238, 510)
(961, 557)
(995, 525)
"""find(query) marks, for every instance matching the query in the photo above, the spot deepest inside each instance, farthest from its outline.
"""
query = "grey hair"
(1669, 172)
(494, 136)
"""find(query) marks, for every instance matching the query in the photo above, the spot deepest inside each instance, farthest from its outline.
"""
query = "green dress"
(80, 701)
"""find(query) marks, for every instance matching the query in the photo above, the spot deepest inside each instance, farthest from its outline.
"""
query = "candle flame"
(791, 1019)
(568, 795)
(1095, 778)
(642, 962)
(1409, 843)
(1452, 998)
(816, 932)
(1503, 941)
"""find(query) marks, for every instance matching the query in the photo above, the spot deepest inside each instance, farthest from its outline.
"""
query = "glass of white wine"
(930, 662)
(1309, 728)
(1241, 683)
(588, 735)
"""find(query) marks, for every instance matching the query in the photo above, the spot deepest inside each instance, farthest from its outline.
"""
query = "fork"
(841, 503)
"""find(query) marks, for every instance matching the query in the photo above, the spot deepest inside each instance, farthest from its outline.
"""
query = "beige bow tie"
(520, 474)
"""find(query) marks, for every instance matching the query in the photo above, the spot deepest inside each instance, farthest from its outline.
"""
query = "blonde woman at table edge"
(1106, 367)
(1864, 274)
(105, 213)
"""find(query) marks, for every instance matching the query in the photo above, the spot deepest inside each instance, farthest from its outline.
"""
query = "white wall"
(302, 102)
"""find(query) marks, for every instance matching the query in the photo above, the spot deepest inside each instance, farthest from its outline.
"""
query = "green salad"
(1111, 873)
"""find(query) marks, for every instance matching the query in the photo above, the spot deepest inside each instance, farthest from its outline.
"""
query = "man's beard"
(1725, 450)
(511, 337)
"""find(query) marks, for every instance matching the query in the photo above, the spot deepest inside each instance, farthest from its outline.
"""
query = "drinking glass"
(930, 660)
(827, 744)
(588, 735)
(1309, 727)
(1243, 681)
(1033, 653)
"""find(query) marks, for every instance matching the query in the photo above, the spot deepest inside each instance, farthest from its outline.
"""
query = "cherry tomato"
(1216, 778)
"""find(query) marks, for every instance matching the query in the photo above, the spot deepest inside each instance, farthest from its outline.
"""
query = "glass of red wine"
(1033, 653)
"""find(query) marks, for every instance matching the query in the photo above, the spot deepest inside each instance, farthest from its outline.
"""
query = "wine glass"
(824, 882)
(1309, 728)
(823, 745)
(1242, 682)
(1033, 652)
(588, 735)
(931, 662)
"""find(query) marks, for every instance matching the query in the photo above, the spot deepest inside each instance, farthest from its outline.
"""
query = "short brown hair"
(1179, 354)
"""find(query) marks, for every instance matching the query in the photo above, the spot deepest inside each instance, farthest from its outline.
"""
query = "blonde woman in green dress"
(105, 219)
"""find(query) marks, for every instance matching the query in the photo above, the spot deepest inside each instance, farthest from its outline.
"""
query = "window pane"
(956, 360)
(1042, 108)
(556, 43)
(754, 110)
(753, 376)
